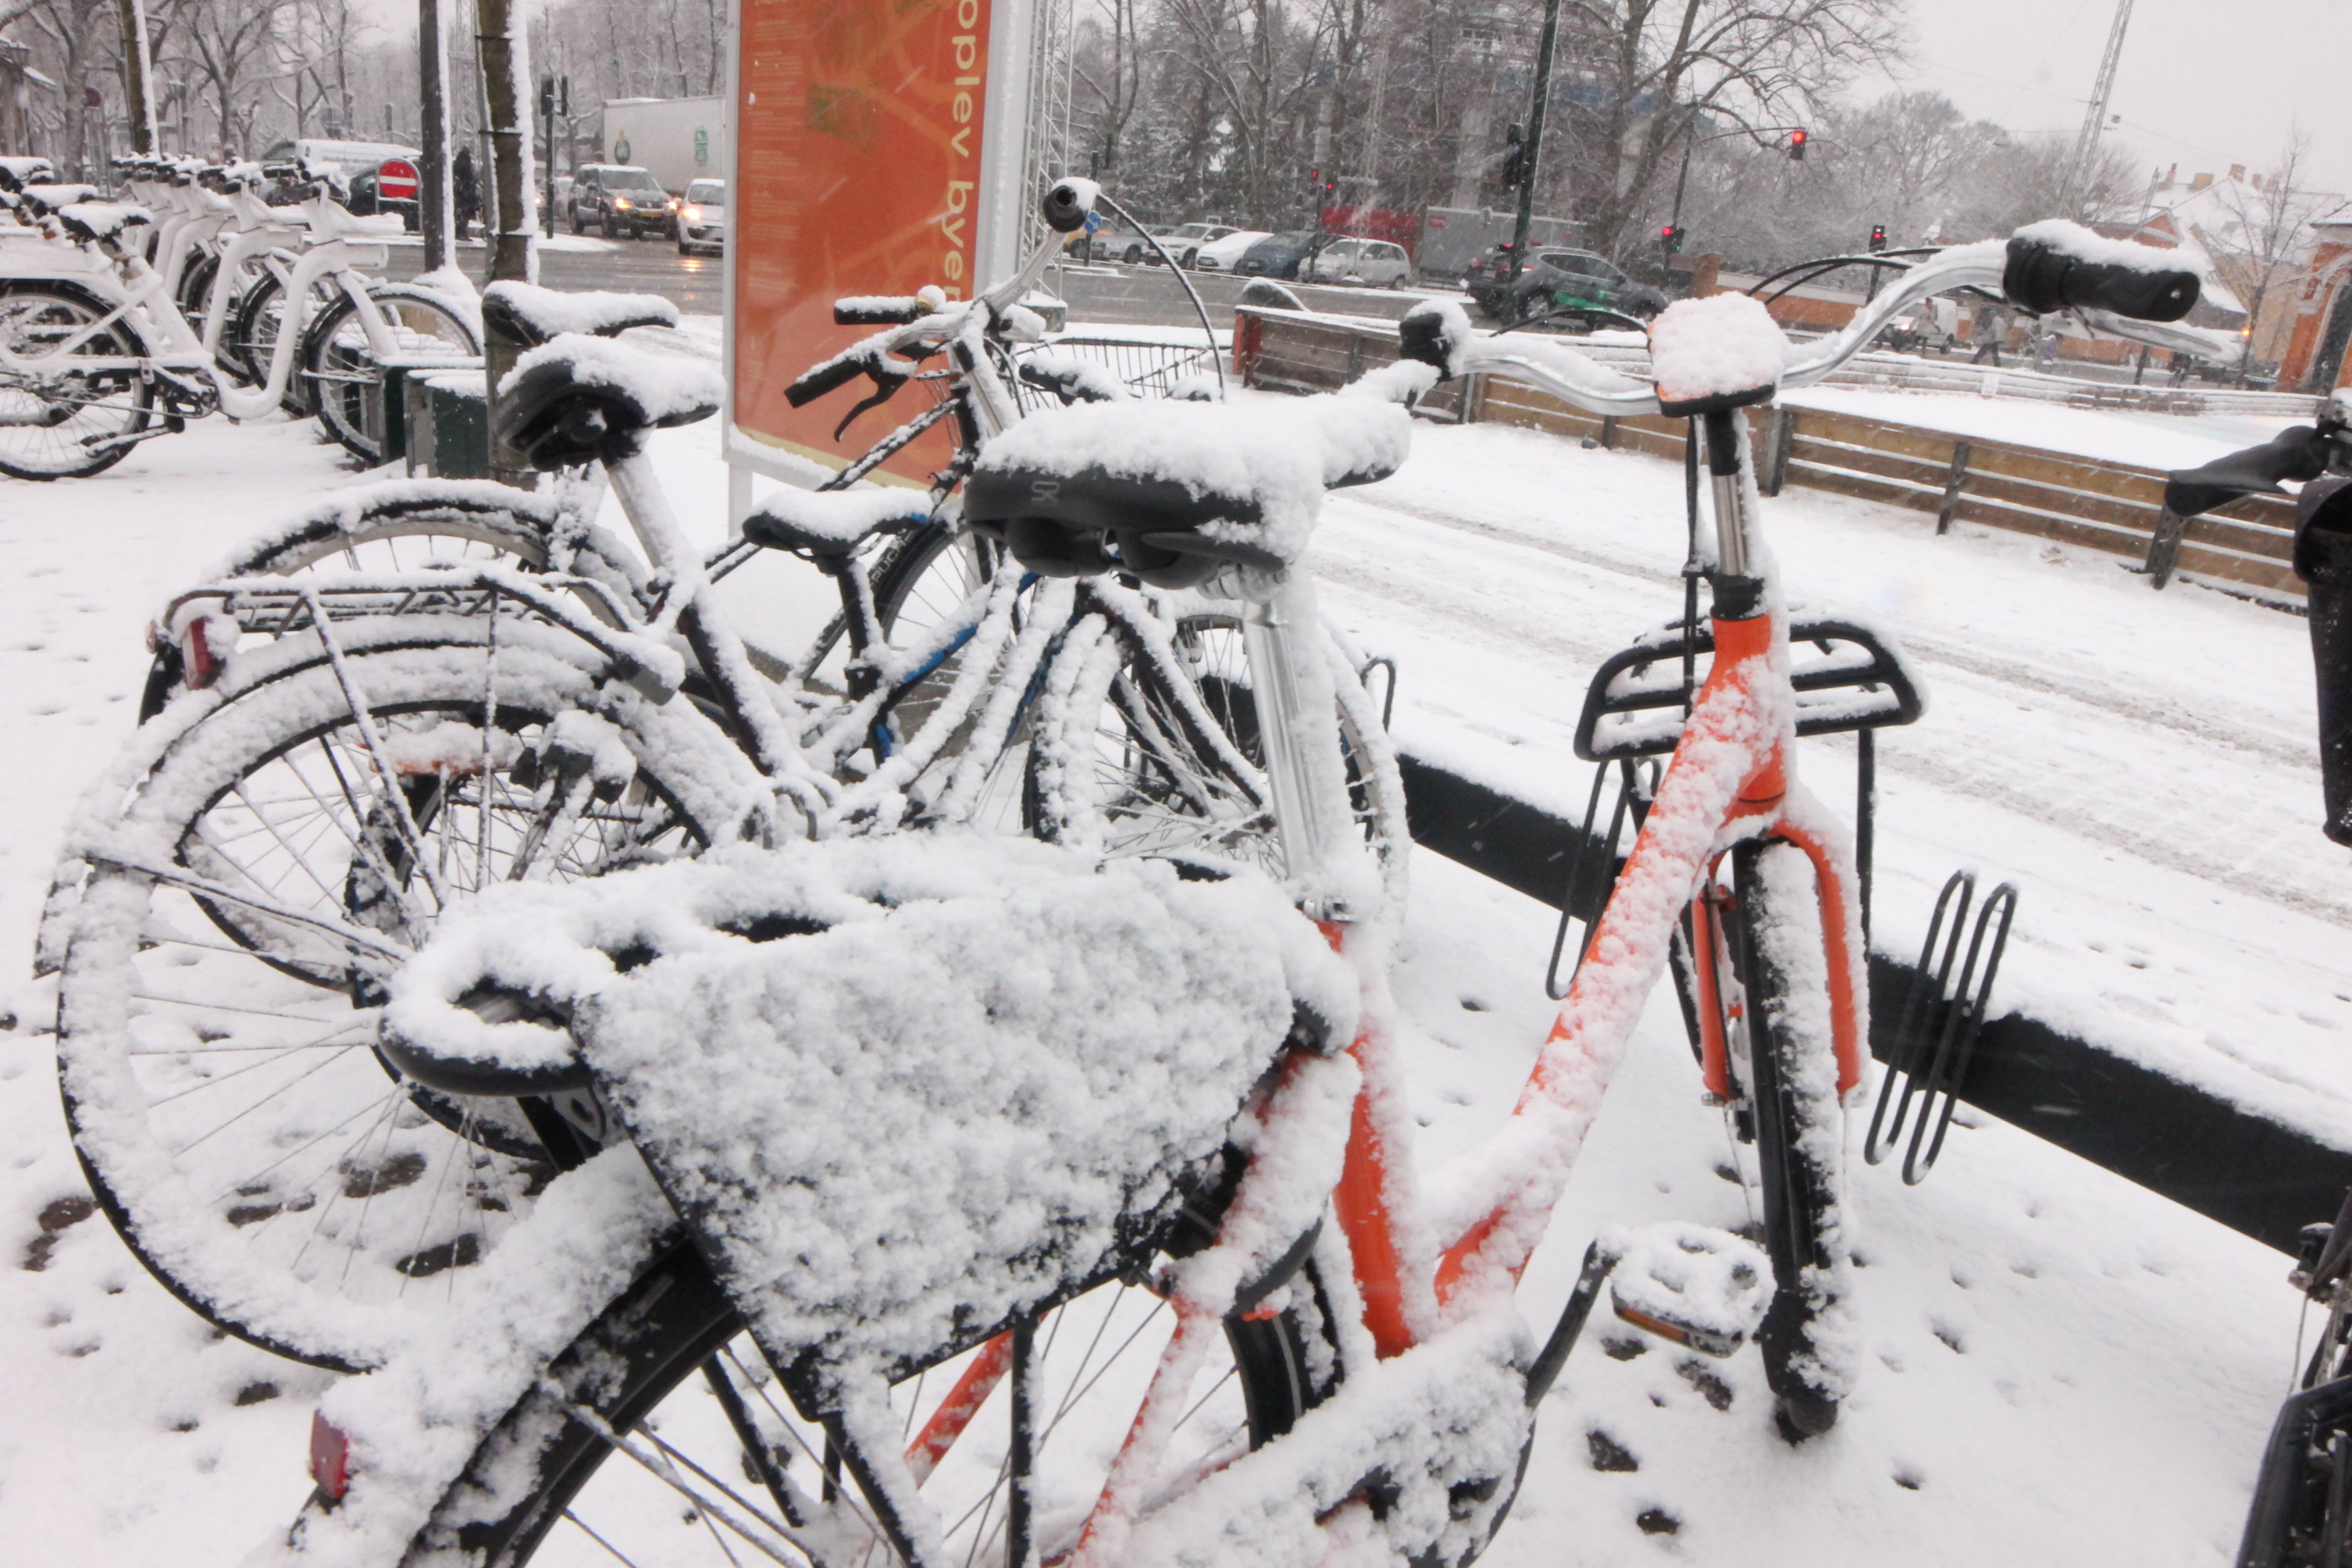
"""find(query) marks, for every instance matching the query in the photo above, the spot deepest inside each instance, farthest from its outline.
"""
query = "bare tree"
(1657, 69)
(232, 46)
(1107, 61)
(2265, 243)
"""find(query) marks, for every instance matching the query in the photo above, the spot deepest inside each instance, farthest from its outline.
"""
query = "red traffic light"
(1877, 238)
(1797, 140)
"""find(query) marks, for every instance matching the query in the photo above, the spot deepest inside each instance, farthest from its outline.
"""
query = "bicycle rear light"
(330, 1455)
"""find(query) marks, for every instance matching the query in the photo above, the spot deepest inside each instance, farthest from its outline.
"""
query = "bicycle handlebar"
(2117, 287)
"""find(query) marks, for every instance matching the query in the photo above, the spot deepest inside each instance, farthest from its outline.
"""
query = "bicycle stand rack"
(1941, 1017)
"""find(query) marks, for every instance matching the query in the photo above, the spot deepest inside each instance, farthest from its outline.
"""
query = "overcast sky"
(2203, 83)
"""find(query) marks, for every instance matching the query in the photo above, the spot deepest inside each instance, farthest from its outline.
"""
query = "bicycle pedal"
(1692, 1285)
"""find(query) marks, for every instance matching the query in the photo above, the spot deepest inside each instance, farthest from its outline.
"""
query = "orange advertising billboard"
(859, 170)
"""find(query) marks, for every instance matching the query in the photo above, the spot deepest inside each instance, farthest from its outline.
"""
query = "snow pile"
(1717, 347)
(1281, 456)
(1444, 1424)
(671, 389)
(548, 313)
(840, 517)
(2085, 245)
(971, 1069)
(1691, 1275)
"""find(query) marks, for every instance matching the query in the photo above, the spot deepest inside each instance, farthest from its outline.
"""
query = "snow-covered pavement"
(2061, 1367)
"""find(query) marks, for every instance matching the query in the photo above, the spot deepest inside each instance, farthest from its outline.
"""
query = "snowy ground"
(2062, 1368)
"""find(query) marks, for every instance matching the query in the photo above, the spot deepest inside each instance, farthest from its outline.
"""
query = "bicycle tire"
(116, 405)
(1798, 1124)
(335, 361)
(1131, 769)
(527, 1478)
(408, 527)
(194, 1161)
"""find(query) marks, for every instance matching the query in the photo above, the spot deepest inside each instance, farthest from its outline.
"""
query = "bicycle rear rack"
(1847, 680)
(1941, 1016)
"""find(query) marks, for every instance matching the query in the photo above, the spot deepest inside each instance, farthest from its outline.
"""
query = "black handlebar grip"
(879, 311)
(816, 383)
(1067, 204)
(2298, 452)
(2044, 274)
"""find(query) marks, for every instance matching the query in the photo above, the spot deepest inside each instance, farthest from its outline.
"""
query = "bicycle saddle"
(825, 527)
(48, 199)
(101, 220)
(1170, 491)
(15, 174)
(580, 399)
(529, 315)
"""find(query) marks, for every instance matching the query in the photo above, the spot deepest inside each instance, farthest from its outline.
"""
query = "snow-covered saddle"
(1170, 490)
(904, 1088)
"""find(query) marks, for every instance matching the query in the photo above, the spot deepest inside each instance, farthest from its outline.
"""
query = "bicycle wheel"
(217, 1055)
(337, 367)
(250, 337)
(57, 422)
(1792, 1071)
(409, 526)
(669, 1366)
(1161, 755)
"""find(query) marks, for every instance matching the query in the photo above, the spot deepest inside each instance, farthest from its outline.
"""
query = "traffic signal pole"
(1532, 151)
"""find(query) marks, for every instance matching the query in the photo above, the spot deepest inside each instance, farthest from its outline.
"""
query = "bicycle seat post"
(1291, 682)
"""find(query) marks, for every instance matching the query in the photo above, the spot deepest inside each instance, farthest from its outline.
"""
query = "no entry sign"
(395, 181)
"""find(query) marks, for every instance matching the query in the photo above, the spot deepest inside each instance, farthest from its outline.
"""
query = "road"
(1145, 296)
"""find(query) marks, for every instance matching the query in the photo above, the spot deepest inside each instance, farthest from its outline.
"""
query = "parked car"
(1281, 255)
(365, 168)
(1125, 244)
(1185, 242)
(702, 217)
(1556, 283)
(1375, 262)
(621, 199)
(1223, 254)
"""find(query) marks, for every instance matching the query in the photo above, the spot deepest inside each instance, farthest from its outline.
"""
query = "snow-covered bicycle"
(94, 339)
(949, 1129)
(424, 688)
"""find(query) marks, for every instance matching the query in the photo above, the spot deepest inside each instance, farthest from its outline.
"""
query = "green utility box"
(445, 420)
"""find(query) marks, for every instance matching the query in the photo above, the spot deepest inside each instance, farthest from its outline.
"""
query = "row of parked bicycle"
(930, 1094)
(121, 320)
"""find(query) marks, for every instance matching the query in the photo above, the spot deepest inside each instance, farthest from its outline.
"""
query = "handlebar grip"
(878, 311)
(816, 383)
(1068, 203)
(2057, 265)
(2298, 452)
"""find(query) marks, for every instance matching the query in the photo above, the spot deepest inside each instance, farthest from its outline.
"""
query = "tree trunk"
(511, 246)
(436, 211)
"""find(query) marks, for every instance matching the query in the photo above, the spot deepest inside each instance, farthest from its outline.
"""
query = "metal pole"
(1534, 147)
(436, 211)
(2086, 141)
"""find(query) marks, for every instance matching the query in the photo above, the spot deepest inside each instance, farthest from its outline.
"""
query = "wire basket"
(1147, 369)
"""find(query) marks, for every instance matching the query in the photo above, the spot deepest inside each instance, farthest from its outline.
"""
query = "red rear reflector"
(330, 1455)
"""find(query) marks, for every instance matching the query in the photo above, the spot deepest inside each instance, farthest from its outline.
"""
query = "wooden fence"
(2064, 496)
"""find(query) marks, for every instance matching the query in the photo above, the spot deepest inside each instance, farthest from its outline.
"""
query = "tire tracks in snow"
(2169, 841)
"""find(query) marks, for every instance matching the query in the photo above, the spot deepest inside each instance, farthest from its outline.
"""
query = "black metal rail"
(2252, 1174)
